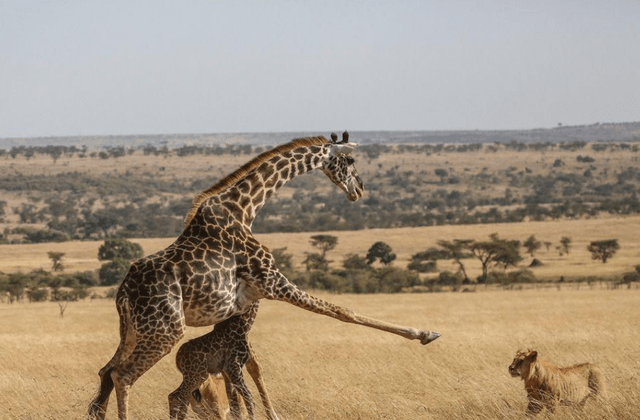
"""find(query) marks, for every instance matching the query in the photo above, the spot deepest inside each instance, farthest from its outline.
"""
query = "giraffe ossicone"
(217, 269)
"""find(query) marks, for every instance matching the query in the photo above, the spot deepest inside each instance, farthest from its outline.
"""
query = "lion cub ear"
(533, 355)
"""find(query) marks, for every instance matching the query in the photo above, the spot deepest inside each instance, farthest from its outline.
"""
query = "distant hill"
(594, 132)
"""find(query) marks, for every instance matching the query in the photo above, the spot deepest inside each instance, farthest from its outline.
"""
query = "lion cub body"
(548, 385)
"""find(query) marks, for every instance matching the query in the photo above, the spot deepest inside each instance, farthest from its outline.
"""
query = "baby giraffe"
(224, 350)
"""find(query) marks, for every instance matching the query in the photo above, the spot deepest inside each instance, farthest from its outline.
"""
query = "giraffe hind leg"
(98, 407)
(233, 377)
(289, 292)
(146, 354)
(232, 395)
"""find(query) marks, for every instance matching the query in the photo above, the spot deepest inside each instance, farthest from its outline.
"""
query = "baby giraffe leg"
(255, 370)
(232, 396)
(179, 399)
(235, 376)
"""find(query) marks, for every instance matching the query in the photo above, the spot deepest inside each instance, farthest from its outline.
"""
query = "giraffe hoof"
(428, 336)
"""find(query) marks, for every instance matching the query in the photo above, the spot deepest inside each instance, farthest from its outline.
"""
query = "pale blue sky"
(205, 66)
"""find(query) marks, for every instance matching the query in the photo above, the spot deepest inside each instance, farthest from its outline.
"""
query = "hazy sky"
(204, 66)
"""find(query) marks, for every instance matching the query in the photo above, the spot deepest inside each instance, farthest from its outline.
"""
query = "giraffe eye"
(350, 160)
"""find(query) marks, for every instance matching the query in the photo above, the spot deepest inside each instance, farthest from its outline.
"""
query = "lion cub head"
(521, 365)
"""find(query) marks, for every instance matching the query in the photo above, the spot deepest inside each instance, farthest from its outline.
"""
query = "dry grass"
(405, 242)
(317, 368)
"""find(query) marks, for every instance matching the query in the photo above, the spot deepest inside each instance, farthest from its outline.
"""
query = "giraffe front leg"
(277, 287)
(232, 397)
(235, 376)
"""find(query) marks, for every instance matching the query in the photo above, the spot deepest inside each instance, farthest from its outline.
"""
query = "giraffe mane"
(240, 173)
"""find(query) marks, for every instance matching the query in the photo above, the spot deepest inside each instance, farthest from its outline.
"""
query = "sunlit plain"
(316, 367)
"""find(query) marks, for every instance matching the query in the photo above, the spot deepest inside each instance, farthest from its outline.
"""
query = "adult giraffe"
(216, 268)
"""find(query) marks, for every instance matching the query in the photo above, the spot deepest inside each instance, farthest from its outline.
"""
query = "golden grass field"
(80, 256)
(317, 368)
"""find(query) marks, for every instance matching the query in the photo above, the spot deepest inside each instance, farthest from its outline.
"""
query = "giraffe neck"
(248, 195)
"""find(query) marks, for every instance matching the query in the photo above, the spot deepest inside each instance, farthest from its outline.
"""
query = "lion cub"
(548, 385)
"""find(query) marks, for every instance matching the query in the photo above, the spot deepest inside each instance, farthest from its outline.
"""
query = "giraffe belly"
(220, 305)
(203, 312)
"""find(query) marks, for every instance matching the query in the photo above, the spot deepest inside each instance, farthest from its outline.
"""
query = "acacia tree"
(532, 244)
(565, 242)
(496, 252)
(382, 252)
(318, 261)
(457, 250)
(442, 174)
(603, 250)
(324, 243)
(56, 260)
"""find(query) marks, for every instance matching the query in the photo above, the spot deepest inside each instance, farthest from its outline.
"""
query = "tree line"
(85, 206)
(371, 273)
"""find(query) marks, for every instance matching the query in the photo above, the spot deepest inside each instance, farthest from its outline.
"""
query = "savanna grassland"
(318, 368)
(315, 367)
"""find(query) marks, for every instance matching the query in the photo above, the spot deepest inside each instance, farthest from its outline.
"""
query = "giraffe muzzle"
(356, 191)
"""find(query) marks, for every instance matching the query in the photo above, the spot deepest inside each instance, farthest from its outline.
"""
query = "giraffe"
(216, 268)
(224, 350)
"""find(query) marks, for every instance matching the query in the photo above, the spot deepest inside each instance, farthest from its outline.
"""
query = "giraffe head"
(340, 169)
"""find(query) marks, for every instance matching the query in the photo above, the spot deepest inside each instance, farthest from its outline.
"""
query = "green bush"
(355, 262)
(113, 272)
(38, 295)
(393, 280)
(505, 279)
(322, 280)
(119, 248)
(47, 235)
(423, 267)
(363, 281)
(74, 294)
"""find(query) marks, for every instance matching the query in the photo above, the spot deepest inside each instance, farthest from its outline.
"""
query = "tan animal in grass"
(548, 385)
(210, 401)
